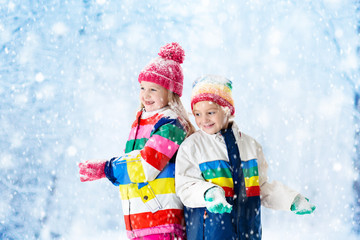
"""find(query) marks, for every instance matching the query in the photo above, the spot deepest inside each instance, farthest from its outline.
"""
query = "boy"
(221, 173)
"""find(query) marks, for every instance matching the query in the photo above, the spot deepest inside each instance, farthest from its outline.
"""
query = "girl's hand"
(301, 205)
(92, 170)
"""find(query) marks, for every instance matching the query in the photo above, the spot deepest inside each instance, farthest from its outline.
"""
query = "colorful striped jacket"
(145, 175)
(202, 163)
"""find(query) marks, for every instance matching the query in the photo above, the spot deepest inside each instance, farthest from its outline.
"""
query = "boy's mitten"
(216, 202)
(301, 205)
(92, 170)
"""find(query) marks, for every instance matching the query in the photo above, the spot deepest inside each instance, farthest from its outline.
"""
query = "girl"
(221, 172)
(145, 174)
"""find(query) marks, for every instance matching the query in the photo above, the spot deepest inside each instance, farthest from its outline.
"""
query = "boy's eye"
(142, 88)
(153, 89)
(196, 114)
(211, 113)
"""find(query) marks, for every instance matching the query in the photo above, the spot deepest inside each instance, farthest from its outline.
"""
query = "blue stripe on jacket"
(214, 165)
(116, 171)
(249, 164)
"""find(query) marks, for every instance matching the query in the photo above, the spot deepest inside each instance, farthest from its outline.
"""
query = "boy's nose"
(205, 119)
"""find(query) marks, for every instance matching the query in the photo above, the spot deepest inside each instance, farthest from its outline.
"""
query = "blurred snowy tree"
(355, 86)
(356, 184)
(58, 60)
(36, 105)
(348, 59)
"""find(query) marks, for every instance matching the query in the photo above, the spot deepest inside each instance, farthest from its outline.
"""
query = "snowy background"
(69, 91)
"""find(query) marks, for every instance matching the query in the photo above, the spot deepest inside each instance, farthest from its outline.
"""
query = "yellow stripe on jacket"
(159, 186)
(222, 181)
(251, 182)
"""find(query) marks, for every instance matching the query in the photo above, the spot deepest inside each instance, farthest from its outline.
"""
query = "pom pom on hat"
(215, 89)
(166, 70)
(172, 51)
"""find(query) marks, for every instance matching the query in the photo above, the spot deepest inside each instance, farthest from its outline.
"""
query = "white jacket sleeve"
(273, 195)
(189, 183)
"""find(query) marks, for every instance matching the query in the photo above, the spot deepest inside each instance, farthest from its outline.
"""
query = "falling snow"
(69, 92)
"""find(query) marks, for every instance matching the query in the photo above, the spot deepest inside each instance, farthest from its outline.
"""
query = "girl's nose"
(146, 94)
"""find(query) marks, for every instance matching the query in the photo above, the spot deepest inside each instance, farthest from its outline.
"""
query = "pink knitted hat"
(166, 70)
(215, 89)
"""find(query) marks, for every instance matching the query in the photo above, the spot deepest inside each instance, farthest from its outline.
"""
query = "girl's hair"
(227, 113)
(176, 105)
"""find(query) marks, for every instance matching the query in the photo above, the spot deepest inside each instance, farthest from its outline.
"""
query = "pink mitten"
(92, 170)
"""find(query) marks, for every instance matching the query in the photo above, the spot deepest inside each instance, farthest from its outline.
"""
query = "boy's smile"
(210, 117)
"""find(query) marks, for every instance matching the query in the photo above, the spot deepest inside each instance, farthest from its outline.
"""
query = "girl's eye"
(211, 113)
(153, 89)
(197, 114)
(142, 88)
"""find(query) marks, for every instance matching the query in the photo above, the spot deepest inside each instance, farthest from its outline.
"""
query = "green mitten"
(216, 202)
(301, 205)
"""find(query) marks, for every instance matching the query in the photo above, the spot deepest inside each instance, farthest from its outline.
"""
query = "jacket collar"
(145, 114)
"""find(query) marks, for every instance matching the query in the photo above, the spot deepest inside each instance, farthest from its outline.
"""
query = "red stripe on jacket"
(147, 220)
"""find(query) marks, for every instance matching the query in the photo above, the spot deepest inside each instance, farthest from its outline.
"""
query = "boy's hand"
(92, 170)
(301, 205)
(216, 202)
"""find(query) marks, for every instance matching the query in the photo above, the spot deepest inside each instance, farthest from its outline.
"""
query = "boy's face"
(153, 96)
(210, 117)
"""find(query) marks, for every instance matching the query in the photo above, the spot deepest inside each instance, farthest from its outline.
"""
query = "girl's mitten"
(92, 170)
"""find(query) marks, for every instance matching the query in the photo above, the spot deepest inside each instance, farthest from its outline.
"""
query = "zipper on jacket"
(129, 218)
(132, 148)
(204, 223)
(137, 128)
(205, 214)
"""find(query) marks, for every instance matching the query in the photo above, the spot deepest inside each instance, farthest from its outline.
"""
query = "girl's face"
(210, 117)
(153, 96)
